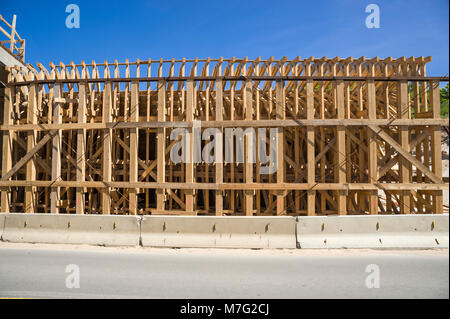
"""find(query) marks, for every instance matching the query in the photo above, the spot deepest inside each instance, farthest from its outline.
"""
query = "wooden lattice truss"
(358, 136)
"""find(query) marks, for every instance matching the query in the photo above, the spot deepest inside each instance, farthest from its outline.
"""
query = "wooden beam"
(81, 149)
(56, 150)
(161, 145)
(133, 153)
(229, 186)
(230, 123)
(372, 154)
(107, 147)
(219, 164)
(280, 115)
(436, 145)
(30, 192)
(7, 147)
(341, 149)
(190, 145)
(249, 147)
(310, 148)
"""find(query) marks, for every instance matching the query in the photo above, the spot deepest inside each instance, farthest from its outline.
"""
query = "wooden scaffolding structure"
(355, 136)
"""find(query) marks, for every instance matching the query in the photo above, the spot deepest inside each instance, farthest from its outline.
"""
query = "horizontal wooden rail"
(236, 78)
(224, 124)
(228, 186)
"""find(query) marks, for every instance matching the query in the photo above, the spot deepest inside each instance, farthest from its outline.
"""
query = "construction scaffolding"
(14, 46)
(354, 136)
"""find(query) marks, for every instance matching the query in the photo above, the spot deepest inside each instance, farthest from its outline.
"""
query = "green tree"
(444, 101)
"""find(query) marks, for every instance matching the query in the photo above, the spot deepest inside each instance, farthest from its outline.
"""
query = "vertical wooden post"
(249, 147)
(161, 144)
(373, 178)
(31, 142)
(81, 145)
(190, 145)
(219, 164)
(56, 150)
(310, 148)
(403, 109)
(107, 147)
(297, 132)
(436, 144)
(134, 117)
(13, 34)
(7, 146)
(322, 139)
(280, 115)
(341, 149)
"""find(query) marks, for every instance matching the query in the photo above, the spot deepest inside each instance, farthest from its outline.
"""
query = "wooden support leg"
(134, 117)
(310, 148)
(7, 147)
(249, 148)
(280, 115)
(373, 178)
(161, 145)
(81, 158)
(403, 108)
(219, 164)
(341, 149)
(30, 191)
(436, 144)
(56, 151)
(190, 146)
(107, 148)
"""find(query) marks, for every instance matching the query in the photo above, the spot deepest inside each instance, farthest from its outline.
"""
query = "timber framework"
(355, 136)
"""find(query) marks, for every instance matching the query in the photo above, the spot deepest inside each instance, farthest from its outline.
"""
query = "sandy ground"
(233, 252)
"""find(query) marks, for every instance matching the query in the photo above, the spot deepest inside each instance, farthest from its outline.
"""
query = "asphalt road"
(41, 273)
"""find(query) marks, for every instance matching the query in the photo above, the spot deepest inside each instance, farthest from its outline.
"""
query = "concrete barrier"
(108, 230)
(2, 223)
(220, 232)
(376, 231)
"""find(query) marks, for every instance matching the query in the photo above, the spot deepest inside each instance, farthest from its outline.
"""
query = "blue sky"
(119, 30)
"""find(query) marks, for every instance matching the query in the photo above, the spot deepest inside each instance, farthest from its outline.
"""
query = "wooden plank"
(341, 149)
(231, 123)
(190, 160)
(107, 147)
(229, 186)
(436, 145)
(403, 110)
(219, 164)
(7, 147)
(81, 149)
(161, 145)
(134, 117)
(280, 115)
(249, 147)
(56, 150)
(310, 148)
(372, 154)
(30, 192)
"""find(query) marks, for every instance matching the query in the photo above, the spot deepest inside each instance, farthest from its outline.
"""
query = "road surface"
(31, 272)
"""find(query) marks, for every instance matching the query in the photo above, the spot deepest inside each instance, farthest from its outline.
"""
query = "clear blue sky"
(153, 29)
